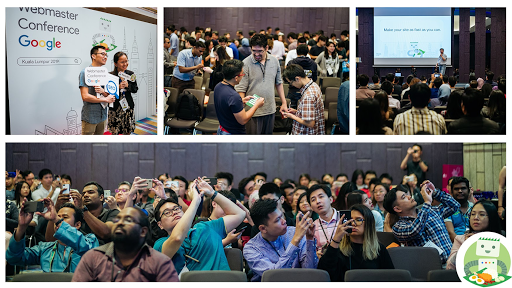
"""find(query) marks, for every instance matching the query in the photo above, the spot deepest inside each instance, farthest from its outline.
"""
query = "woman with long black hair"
(121, 118)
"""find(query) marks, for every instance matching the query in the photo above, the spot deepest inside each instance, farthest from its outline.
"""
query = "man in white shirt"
(292, 54)
(48, 188)
(320, 200)
(278, 49)
(387, 87)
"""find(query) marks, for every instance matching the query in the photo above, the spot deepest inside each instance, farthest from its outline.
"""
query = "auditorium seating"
(438, 109)
(184, 124)
(235, 258)
(295, 275)
(443, 276)
(329, 82)
(331, 96)
(377, 275)
(43, 277)
(210, 123)
(198, 82)
(386, 238)
(407, 258)
(171, 101)
(332, 117)
(213, 276)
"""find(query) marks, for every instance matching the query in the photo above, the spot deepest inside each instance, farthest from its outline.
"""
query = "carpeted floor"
(146, 126)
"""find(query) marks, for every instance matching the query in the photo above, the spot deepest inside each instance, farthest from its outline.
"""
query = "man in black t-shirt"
(310, 69)
(228, 104)
(318, 48)
(416, 165)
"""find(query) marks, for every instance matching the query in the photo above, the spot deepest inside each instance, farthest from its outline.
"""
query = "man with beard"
(426, 226)
(458, 223)
(277, 245)
(127, 258)
(98, 220)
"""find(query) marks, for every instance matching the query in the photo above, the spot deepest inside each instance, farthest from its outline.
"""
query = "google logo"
(24, 41)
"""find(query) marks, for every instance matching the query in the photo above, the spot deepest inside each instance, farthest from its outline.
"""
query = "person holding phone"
(278, 245)
(425, 226)
(355, 246)
(415, 165)
(121, 118)
(61, 255)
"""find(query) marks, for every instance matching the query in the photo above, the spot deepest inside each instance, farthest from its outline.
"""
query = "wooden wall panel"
(111, 163)
(331, 20)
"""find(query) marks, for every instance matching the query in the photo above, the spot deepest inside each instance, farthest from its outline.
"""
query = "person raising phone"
(355, 246)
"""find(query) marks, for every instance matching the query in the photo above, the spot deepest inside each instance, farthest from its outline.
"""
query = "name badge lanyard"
(54, 251)
(275, 247)
(333, 230)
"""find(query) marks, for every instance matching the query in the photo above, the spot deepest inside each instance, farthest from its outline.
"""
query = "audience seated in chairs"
(369, 118)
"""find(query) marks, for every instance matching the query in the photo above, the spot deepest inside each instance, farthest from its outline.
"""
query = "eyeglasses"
(241, 75)
(480, 215)
(122, 190)
(170, 212)
(102, 54)
(358, 221)
(125, 220)
(258, 51)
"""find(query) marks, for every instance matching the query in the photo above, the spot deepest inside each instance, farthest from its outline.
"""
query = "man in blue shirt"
(277, 245)
(228, 103)
(62, 255)
(458, 223)
(441, 62)
(175, 41)
(189, 60)
(199, 247)
(426, 226)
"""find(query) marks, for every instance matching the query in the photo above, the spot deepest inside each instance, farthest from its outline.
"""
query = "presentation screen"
(411, 36)
(46, 50)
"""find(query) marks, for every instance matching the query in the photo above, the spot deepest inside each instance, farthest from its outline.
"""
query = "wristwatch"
(58, 222)
(85, 209)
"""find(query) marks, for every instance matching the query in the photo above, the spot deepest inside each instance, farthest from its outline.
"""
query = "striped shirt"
(419, 120)
(310, 108)
(428, 225)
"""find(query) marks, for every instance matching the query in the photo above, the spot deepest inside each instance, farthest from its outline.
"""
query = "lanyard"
(275, 247)
(334, 230)
(263, 67)
(53, 257)
(306, 87)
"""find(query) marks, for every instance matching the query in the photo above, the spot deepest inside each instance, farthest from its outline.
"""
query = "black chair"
(332, 117)
(377, 275)
(396, 96)
(295, 275)
(210, 123)
(386, 238)
(213, 276)
(43, 277)
(235, 258)
(417, 260)
(188, 124)
(443, 276)
(171, 101)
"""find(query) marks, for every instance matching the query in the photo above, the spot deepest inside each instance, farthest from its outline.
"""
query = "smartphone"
(436, 75)
(171, 184)
(149, 184)
(65, 189)
(11, 174)
(241, 227)
(211, 180)
(346, 218)
(409, 178)
(34, 206)
(106, 194)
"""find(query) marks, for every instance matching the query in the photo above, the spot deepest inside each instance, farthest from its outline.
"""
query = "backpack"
(188, 107)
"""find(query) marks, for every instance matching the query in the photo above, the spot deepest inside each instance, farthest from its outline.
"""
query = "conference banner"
(47, 48)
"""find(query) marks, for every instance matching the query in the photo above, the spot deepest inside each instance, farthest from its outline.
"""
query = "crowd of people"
(239, 68)
(431, 106)
(157, 229)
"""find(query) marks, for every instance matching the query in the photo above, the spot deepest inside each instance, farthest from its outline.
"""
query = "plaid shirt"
(417, 120)
(428, 225)
(310, 108)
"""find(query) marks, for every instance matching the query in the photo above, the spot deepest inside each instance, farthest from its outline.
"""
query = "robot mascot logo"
(483, 260)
